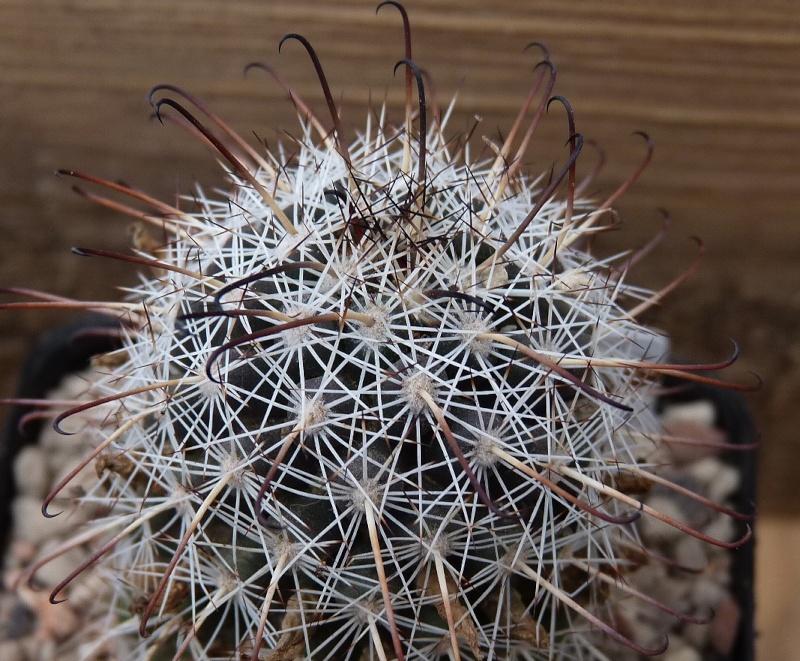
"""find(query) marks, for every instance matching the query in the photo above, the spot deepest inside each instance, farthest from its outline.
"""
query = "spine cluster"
(375, 402)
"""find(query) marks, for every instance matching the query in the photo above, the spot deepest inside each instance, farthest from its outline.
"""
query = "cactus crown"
(373, 403)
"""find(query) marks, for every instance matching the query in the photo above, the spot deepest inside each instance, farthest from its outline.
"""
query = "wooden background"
(715, 83)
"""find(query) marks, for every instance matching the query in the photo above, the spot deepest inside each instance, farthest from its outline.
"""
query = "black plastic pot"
(56, 354)
(733, 418)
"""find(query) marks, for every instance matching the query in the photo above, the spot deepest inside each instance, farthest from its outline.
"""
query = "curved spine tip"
(540, 45)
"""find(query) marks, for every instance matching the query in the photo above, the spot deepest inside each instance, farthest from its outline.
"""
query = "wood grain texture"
(716, 85)
(778, 574)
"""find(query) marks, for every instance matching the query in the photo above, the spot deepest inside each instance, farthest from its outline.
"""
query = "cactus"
(376, 401)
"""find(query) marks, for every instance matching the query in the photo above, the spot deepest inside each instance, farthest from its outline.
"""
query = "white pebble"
(30, 472)
(655, 531)
(725, 484)
(54, 443)
(654, 581)
(674, 592)
(91, 590)
(628, 612)
(82, 482)
(32, 648)
(647, 633)
(648, 577)
(32, 527)
(701, 411)
(691, 552)
(681, 653)
(59, 568)
(705, 470)
(12, 650)
(722, 528)
(707, 593)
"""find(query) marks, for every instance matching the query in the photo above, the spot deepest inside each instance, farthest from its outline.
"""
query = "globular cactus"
(374, 402)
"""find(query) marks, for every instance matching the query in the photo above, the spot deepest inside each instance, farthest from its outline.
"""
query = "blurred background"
(715, 84)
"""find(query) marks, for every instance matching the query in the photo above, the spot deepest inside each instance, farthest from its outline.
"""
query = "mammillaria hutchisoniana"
(376, 401)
